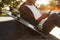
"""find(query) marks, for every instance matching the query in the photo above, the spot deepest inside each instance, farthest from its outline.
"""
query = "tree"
(12, 3)
(52, 3)
(58, 2)
(1, 5)
(55, 3)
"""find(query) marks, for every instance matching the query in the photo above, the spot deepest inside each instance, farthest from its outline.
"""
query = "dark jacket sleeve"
(27, 14)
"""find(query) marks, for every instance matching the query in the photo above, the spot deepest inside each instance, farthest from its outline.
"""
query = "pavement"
(10, 29)
(2, 19)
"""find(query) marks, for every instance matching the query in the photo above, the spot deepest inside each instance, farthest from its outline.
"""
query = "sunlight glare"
(23, 0)
(3, 19)
(45, 2)
(0, 0)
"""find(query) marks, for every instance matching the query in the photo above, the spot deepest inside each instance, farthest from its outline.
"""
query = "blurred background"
(42, 5)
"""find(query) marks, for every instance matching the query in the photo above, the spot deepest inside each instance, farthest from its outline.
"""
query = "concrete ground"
(13, 30)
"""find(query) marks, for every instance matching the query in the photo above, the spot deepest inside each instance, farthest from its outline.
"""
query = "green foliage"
(55, 3)
(12, 3)
(58, 2)
(3, 15)
(15, 4)
(7, 1)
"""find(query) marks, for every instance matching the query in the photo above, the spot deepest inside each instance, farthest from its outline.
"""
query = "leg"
(49, 24)
(57, 22)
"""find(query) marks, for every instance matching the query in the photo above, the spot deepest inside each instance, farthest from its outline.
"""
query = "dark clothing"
(27, 14)
(52, 21)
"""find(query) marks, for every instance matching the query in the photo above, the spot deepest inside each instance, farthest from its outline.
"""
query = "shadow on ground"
(13, 30)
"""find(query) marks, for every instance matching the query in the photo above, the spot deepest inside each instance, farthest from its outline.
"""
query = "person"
(30, 13)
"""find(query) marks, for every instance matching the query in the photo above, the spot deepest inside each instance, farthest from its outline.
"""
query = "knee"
(54, 14)
(59, 13)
